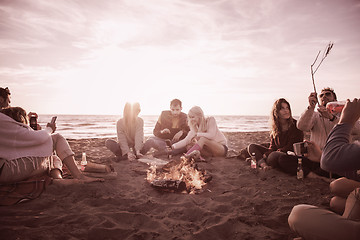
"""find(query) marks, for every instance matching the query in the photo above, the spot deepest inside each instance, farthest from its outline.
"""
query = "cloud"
(237, 50)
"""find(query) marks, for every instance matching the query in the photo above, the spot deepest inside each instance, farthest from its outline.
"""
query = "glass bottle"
(253, 163)
(335, 107)
(300, 172)
(83, 162)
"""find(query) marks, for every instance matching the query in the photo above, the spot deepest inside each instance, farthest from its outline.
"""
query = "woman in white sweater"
(205, 133)
(130, 134)
(25, 152)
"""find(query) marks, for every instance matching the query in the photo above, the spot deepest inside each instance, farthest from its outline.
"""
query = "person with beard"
(170, 128)
(319, 122)
(342, 156)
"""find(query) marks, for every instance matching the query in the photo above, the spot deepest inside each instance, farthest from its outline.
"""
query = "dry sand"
(236, 204)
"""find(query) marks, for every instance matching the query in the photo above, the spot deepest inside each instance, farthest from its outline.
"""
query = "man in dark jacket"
(170, 128)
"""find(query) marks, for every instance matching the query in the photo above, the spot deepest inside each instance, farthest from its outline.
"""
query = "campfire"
(178, 176)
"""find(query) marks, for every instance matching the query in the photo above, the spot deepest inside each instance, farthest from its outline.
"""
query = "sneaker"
(196, 155)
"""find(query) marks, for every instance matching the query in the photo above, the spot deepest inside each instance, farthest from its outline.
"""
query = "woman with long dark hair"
(284, 134)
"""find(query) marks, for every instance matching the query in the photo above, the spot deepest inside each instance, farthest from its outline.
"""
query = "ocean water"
(104, 126)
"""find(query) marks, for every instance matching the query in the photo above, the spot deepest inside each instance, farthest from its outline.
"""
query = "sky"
(230, 57)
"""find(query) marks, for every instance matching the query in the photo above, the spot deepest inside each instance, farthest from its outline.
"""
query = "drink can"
(335, 107)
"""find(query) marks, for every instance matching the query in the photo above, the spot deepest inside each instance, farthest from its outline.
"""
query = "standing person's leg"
(311, 222)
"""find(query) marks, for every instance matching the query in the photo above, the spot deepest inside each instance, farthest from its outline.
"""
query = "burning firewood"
(178, 176)
(169, 185)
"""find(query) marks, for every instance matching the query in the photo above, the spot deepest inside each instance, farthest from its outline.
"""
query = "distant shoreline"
(100, 126)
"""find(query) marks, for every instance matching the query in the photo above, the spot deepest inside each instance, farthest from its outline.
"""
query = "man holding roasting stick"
(341, 156)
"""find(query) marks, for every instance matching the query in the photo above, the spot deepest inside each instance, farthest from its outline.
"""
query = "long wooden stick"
(326, 53)
(312, 71)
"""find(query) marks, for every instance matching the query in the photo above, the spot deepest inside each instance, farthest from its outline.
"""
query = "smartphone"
(33, 122)
(53, 119)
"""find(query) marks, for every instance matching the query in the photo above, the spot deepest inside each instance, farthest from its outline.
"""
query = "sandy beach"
(236, 204)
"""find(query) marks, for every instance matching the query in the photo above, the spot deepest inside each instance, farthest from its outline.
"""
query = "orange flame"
(185, 171)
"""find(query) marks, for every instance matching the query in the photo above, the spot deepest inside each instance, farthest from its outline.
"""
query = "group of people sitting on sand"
(174, 133)
(25, 152)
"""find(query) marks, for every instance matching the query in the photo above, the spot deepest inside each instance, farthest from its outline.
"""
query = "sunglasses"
(328, 94)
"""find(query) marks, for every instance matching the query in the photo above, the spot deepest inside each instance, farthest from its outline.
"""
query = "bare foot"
(265, 167)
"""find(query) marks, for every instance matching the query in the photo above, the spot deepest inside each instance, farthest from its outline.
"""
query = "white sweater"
(19, 140)
(126, 141)
(212, 132)
(320, 127)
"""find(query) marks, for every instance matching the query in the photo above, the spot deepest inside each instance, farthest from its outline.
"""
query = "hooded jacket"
(19, 140)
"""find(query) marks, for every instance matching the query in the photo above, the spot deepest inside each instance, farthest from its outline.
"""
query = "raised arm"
(339, 155)
(305, 122)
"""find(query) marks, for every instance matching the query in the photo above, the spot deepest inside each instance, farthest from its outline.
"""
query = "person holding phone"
(25, 152)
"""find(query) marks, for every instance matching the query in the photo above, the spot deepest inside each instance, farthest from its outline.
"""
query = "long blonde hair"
(197, 112)
(130, 114)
